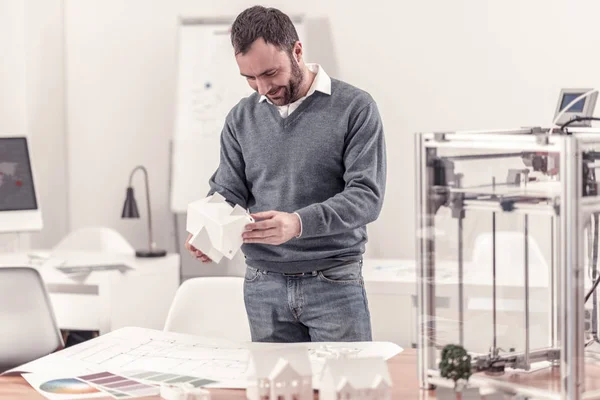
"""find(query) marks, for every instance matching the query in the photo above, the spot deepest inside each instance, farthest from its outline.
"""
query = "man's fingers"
(197, 254)
(260, 234)
(264, 215)
(265, 224)
(203, 257)
(268, 240)
(187, 242)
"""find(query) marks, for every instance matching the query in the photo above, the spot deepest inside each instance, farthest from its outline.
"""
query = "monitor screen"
(569, 97)
(17, 191)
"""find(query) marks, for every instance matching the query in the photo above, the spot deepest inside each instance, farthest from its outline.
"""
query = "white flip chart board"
(208, 85)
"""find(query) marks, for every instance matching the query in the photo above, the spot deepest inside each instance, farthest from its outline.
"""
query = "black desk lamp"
(130, 210)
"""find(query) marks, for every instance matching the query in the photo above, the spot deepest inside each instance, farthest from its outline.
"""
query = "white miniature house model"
(282, 373)
(355, 378)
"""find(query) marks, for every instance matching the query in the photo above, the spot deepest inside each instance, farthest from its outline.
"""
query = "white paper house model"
(355, 378)
(216, 227)
(282, 373)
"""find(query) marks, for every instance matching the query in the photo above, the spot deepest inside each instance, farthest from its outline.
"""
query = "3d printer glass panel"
(469, 184)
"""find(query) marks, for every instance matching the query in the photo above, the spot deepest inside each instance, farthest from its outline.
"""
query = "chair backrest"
(28, 327)
(210, 306)
(95, 239)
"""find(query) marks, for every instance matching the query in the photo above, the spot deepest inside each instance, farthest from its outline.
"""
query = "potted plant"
(455, 364)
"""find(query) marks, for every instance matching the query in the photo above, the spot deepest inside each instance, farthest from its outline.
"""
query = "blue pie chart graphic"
(67, 386)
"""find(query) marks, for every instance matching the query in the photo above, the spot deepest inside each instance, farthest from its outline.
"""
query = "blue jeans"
(319, 306)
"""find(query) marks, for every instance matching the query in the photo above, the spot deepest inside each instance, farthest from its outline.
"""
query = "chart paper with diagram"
(212, 361)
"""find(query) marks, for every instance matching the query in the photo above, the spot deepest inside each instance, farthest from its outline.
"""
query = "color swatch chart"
(118, 386)
(62, 388)
(157, 378)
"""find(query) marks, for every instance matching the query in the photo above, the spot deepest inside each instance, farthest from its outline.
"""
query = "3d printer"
(546, 171)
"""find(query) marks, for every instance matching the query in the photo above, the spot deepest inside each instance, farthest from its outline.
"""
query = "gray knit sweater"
(326, 161)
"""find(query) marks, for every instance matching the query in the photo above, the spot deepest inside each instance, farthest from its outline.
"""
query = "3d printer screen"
(16, 180)
(569, 97)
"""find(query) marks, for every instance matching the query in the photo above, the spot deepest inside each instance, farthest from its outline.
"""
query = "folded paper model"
(216, 227)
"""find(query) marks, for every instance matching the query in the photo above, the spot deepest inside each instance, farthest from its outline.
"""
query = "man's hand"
(273, 227)
(197, 254)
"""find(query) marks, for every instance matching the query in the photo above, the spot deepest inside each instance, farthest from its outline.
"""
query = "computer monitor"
(19, 206)
(582, 108)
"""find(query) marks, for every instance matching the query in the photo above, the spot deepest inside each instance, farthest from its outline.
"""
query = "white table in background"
(391, 287)
(105, 300)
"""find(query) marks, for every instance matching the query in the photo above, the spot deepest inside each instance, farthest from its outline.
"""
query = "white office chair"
(28, 327)
(95, 239)
(210, 306)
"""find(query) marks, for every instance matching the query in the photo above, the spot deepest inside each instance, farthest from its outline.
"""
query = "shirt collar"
(321, 83)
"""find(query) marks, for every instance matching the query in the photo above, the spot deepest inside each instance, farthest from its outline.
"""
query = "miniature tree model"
(455, 363)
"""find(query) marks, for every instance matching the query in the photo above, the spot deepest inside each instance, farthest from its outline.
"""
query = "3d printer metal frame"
(567, 206)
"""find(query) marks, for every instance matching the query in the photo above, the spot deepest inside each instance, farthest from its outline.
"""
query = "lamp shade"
(130, 209)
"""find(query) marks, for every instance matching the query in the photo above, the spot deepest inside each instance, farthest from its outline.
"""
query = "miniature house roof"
(263, 361)
(380, 382)
(360, 373)
(283, 368)
(344, 385)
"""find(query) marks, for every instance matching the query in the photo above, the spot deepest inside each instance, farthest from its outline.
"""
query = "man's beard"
(292, 92)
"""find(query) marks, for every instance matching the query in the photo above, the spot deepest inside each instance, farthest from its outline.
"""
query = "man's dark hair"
(270, 24)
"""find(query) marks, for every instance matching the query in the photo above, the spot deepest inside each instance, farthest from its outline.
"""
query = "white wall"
(120, 85)
(32, 101)
(12, 67)
(12, 81)
(45, 102)
(430, 65)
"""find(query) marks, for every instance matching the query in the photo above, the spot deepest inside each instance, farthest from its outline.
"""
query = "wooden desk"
(403, 369)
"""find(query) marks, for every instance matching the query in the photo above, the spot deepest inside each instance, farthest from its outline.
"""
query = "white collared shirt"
(321, 83)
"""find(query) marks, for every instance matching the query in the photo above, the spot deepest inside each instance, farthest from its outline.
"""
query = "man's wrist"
(300, 224)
